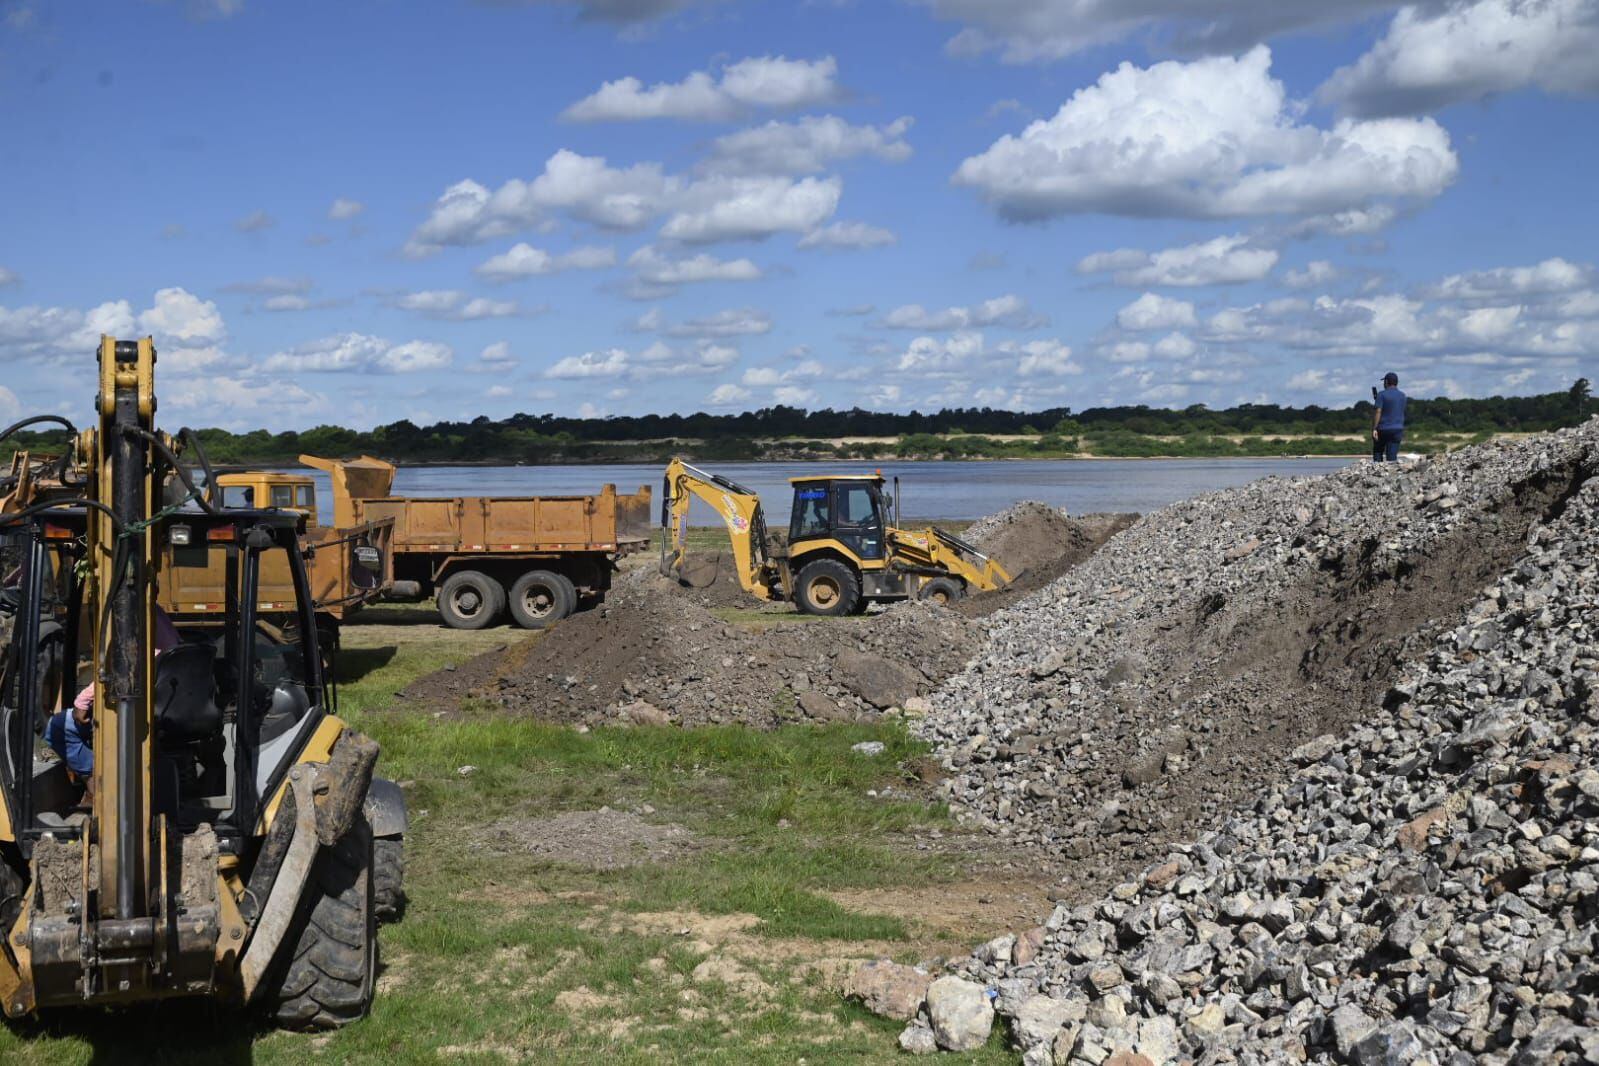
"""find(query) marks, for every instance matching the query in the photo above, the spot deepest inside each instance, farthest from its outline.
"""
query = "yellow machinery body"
(181, 862)
(842, 551)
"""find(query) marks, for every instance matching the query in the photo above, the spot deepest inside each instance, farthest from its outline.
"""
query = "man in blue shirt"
(1388, 423)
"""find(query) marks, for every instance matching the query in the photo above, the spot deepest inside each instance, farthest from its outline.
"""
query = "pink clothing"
(166, 637)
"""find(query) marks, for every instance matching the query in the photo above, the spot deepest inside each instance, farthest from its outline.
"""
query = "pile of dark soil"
(650, 655)
(656, 651)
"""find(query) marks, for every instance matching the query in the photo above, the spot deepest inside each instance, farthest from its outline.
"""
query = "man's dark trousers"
(1385, 446)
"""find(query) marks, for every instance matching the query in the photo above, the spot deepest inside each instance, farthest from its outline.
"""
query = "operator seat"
(185, 695)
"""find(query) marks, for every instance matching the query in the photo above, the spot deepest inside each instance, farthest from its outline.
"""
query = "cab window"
(305, 496)
(858, 523)
(282, 684)
(856, 506)
(238, 496)
(282, 495)
(812, 513)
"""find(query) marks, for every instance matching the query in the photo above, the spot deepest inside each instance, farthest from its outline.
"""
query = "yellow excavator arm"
(935, 549)
(740, 511)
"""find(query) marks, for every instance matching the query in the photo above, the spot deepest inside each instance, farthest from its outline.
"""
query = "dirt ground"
(603, 839)
(707, 652)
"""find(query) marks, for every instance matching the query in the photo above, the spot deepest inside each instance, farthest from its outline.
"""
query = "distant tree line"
(791, 431)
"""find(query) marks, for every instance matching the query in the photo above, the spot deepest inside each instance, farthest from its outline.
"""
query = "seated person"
(70, 731)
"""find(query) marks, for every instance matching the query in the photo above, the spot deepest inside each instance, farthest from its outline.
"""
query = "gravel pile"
(1137, 699)
(1415, 875)
(1036, 543)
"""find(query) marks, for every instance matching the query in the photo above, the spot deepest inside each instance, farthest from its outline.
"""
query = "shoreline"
(489, 463)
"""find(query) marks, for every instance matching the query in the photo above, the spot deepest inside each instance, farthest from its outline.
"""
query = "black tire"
(470, 599)
(541, 598)
(388, 878)
(944, 590)
(827, 587)
(331, 949)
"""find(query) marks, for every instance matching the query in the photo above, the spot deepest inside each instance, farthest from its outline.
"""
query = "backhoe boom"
(740, 511)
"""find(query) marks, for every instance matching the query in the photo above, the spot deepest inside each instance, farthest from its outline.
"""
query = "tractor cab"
(849, 509)
(235, 705)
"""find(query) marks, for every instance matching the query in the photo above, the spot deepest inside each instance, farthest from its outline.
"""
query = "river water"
(928, 490)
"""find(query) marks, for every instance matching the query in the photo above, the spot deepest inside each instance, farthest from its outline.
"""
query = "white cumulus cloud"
(1316, 272)
(588, 189)
(345, 209)
(1550, 276)
(610, 363)
(1217, 138)
(728, 395)
(756, 82)
(1435, 55)
(1153, 311)
(838, 235)
(360, 352)
(752, 208)
(1221, 261)
(182, 317)
(655, 269)
(522, 260)
(1026, 31)
(1008, 310)
(455, 305)
(806, 146)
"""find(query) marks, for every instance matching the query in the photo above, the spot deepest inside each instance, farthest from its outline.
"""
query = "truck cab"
(348, 566)
(267, 490)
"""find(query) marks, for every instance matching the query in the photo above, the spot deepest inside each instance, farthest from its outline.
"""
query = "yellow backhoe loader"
(202, 825)
(843, 553)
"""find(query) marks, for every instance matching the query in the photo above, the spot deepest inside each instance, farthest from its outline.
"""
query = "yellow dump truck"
(347, 566)
(539, 556)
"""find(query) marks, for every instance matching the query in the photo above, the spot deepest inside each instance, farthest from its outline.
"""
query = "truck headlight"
(179, 536)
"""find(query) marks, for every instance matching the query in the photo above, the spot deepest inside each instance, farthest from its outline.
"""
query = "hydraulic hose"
(72, 430)
(159, 445)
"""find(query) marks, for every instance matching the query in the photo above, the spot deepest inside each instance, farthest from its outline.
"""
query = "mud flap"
(385, 808)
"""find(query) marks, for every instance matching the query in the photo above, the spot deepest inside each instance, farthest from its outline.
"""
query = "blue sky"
(361, 212)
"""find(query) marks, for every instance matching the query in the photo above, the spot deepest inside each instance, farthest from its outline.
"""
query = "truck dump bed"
(609, 522)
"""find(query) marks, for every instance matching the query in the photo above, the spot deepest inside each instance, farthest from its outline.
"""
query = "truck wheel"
(471, 600)
(388, 878)
(328, 979)
(827, 587)
(942, 590)
(541, 598)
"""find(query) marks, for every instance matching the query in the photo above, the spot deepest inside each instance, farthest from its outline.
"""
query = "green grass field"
(729, 954)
